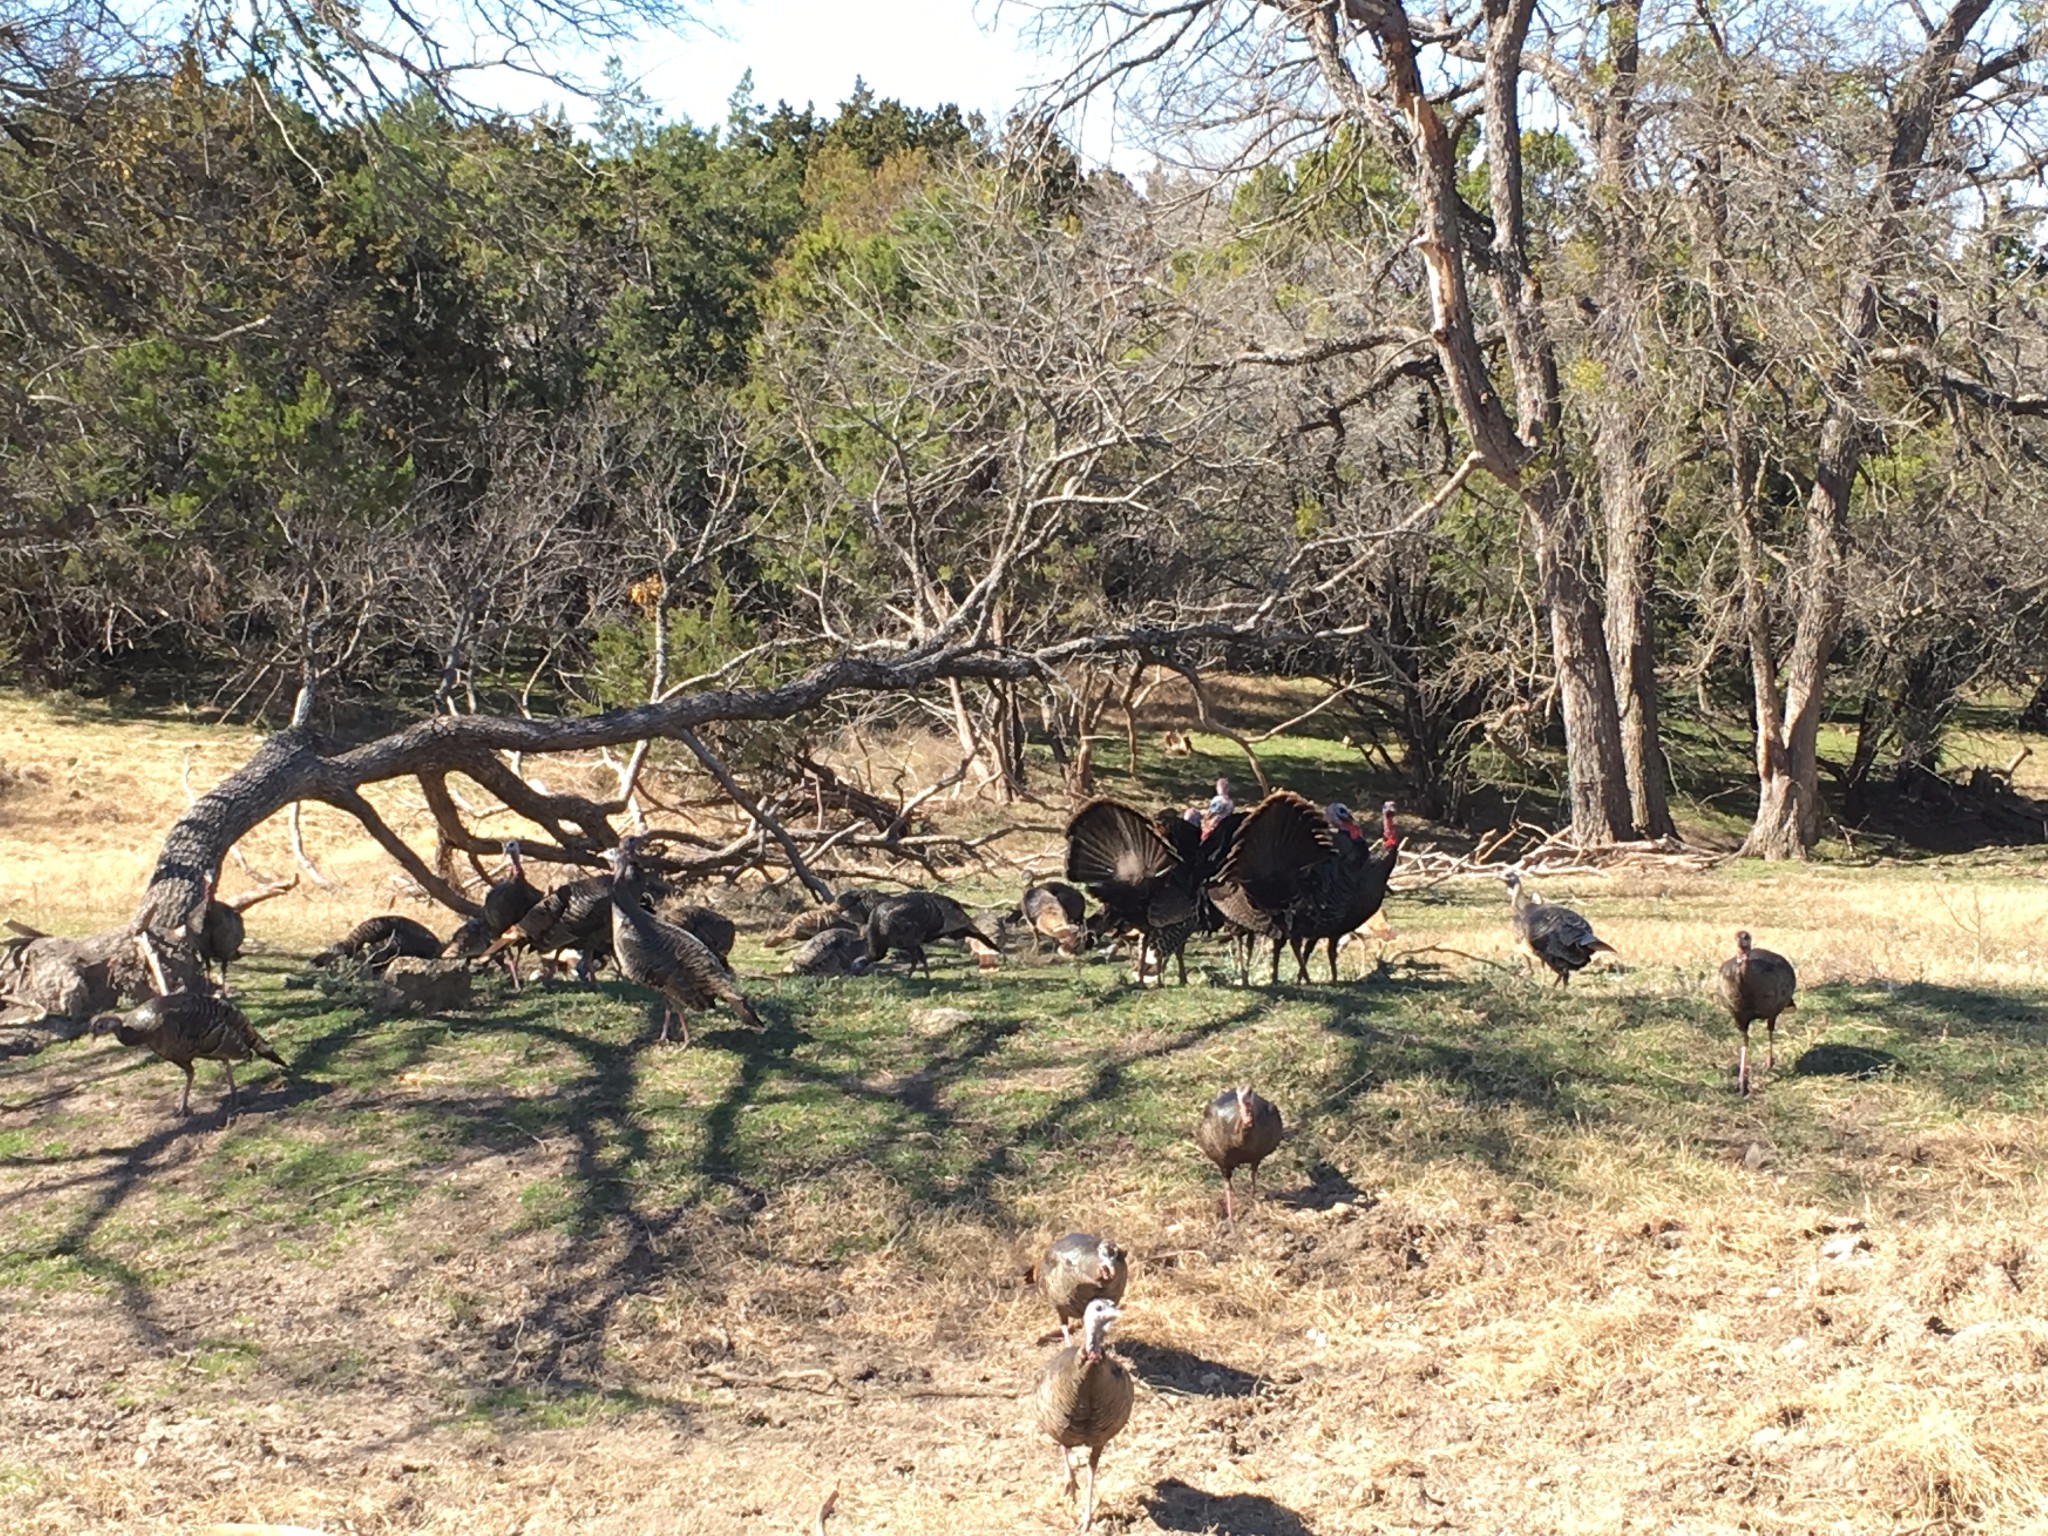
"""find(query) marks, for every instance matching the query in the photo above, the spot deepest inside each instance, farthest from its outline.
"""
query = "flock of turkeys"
(1283, 872)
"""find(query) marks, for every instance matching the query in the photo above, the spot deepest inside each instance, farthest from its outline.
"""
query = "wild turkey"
(1084, 1399)
(1239, 1129)
(849, 909)
(908, 922)
(835, 952)
(219, 940)
(1220, 805)
(1756, 984)
(1077, 1269)
(1297, 874)
(663, 957)
(470, 940)
(1354, 886)
(575, 915)
(186, 1027)
(218, 936)
(707, 925)
(511, 898)
(377, 941)
(1147, 872)
(1058, 912)
(1556, 936)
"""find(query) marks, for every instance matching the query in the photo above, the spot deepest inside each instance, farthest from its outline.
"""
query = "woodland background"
(1587, 400)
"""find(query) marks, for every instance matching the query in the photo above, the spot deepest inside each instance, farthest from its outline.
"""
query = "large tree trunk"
(1626, 500)
(1630, 495)
(1594, 760)
(1788, 703)
(1523, 449)
(1788, 818)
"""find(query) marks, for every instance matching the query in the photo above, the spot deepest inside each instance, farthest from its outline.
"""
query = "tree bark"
(1631, 496)
(1597, 769)
(1789, 806)
(1627, 501)
(1522, 451)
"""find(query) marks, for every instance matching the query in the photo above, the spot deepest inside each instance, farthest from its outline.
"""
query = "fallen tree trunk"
(297, 764)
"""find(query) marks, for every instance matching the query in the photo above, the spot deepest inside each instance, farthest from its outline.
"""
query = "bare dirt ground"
(1526, 1264)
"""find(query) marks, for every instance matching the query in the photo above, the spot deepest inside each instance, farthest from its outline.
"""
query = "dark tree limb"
(346, 799)
(762, 818)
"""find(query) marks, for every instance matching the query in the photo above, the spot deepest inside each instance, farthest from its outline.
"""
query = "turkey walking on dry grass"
(1555, 936)
(667, 959)
(1084, 1399)
(1079, 1269)
(1756, 984)
(1239, 1129)
(186, 1027)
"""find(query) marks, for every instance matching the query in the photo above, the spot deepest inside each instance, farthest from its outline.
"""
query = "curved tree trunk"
(1788, 704)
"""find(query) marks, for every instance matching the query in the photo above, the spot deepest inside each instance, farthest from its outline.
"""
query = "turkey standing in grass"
(913, 920)
(1556, 936)
(1084, 1398)
(835, 952)
(1058, 912)
(1238, 1130)
(1298, 874)
(1075, 1271)
(1756, 984)
(575, 915)
(663, 957)
(511, 898)
(377, 941)
(1147, 871)
(186, 1027)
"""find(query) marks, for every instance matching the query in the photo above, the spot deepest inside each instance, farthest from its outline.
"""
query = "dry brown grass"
(1472, 1305)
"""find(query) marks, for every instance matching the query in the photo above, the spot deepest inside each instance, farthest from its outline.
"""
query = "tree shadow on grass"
(1926, 1009)
(1177, 1506)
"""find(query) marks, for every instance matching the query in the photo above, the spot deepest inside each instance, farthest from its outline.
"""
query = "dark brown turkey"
(511, 897)
(1297, 875)
(1147, 872)
(377, 941)
(1084, 1399)
(1239, 1129)
(186, 1027)
(707, 925)
(1756, 984)
(1556, 937)
(575, 915)
(1076, 1270)
(219, 933)
(667, 959)
(908, 922)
